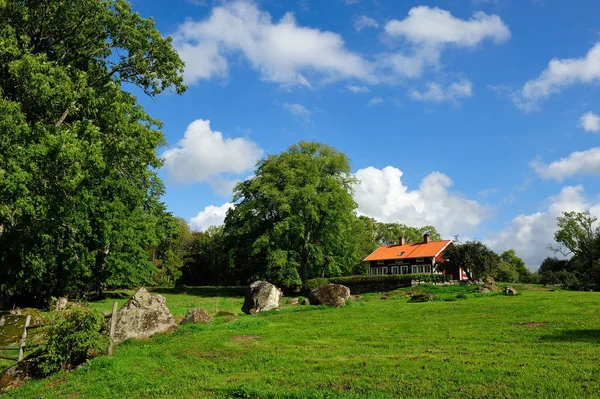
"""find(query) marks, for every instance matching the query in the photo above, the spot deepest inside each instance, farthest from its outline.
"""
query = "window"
(419, 259)
(401, 253)
(404, 269)
(427, 269)
(380, 262)
(394, 269)
(418, 269)
(385, 270)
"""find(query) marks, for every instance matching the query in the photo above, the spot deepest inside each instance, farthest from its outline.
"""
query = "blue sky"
(478, 117)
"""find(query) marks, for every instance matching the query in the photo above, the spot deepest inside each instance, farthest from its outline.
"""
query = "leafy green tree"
(474, 257)
(524, 274)
(505, 272)
(170, 254)
(293, 221)
(206, 261)
(390, 233)
(577, 236)
(79, 195)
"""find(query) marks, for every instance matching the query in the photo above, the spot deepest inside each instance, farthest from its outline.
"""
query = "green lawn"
(481, 346)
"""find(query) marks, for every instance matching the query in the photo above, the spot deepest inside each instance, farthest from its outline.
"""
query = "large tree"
(474, 257)
(79, 196)
(293, 221)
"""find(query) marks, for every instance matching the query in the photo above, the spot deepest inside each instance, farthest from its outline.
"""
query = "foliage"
(169, 256)
(79, 194)
(506, 272)
(390, 233)
(206, 261)
(314, 352)
(293, 221)
(510, 257)
(72, 336)
(474, 257)
(362, 284)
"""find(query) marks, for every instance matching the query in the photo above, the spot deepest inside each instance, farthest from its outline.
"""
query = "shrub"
(364, 284)
(71, 337)
(315, 283)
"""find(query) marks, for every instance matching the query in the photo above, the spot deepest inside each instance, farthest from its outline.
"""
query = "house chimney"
(426, 238)
(401, 241)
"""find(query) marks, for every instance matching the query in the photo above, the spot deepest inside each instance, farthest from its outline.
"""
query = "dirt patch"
(532, 324)
(245, 338)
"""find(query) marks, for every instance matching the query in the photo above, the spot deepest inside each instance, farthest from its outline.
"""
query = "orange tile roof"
(413, 250)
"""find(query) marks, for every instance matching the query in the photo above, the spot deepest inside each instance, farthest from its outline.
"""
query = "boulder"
(18, 374)
(330, 295)
(483, 290)
(509, 291)
(261, 296)
(424, 297)
(292, 301)
(197, 315)
(61, 304)
(305, 302)
(142, 316)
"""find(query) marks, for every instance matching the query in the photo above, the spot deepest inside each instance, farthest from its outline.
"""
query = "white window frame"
(395, 269)
(427, 269)
(404, 268)
(384, 270)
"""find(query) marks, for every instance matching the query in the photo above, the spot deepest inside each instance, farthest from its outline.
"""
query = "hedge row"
(364, 284)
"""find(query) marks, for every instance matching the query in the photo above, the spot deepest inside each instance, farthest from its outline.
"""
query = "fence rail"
(22, 342)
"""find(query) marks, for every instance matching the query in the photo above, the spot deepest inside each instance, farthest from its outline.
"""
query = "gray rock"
(261, 296)
(509, 291)
(18, 374)
(422, 297)
(144, 315)
(61, 304)
(292, 301)
(330, 294)
(483, 290)
(197, 315)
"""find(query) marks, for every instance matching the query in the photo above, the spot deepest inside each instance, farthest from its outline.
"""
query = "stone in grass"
(334, 295)
(305, 302)
(424, 297)
(509, 291)
(18, 374)
(144, 315)
(483, 290)
(261, 296)
(197, 315)
(292, 301)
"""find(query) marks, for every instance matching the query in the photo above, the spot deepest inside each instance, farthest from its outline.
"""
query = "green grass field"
(541, 343)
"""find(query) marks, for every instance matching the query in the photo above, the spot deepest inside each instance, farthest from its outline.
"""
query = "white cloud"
(434, 26)
(210, 216)
(530, 235)
(374, 101)
(283, 52)
(430, 30)
(559, 74)
(590, 122)
(364, 22)
(437, 93)
(203, 154)
(297, 109)
(358, 89)
(577, 163)
(382, 195)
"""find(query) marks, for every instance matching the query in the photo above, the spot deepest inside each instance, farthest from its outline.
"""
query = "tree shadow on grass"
(204, 291)
(592, 335)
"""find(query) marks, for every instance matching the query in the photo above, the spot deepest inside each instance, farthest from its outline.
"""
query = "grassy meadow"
(541, 343)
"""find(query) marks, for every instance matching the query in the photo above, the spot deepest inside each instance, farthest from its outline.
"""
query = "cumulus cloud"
(437, 93)
(282, 51)
(297, 109)
(374, 101)
(577, 163)
(559, 74)
(364, 22)
(382, 195)
(203, 155)
(358, 89)
(590, 122)
(210, 216)
(529, 235)
(429, 30)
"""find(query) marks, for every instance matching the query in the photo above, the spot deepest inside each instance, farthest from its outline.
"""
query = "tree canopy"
(293, 221)
(79, 195)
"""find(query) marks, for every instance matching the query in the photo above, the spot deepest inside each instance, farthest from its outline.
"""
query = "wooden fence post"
(23, 338)
(113, 323)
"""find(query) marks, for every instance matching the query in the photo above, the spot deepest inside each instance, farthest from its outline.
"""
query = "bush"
(71, 337)
(364, 284)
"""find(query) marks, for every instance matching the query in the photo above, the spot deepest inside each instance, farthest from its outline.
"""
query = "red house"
(414, 258)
